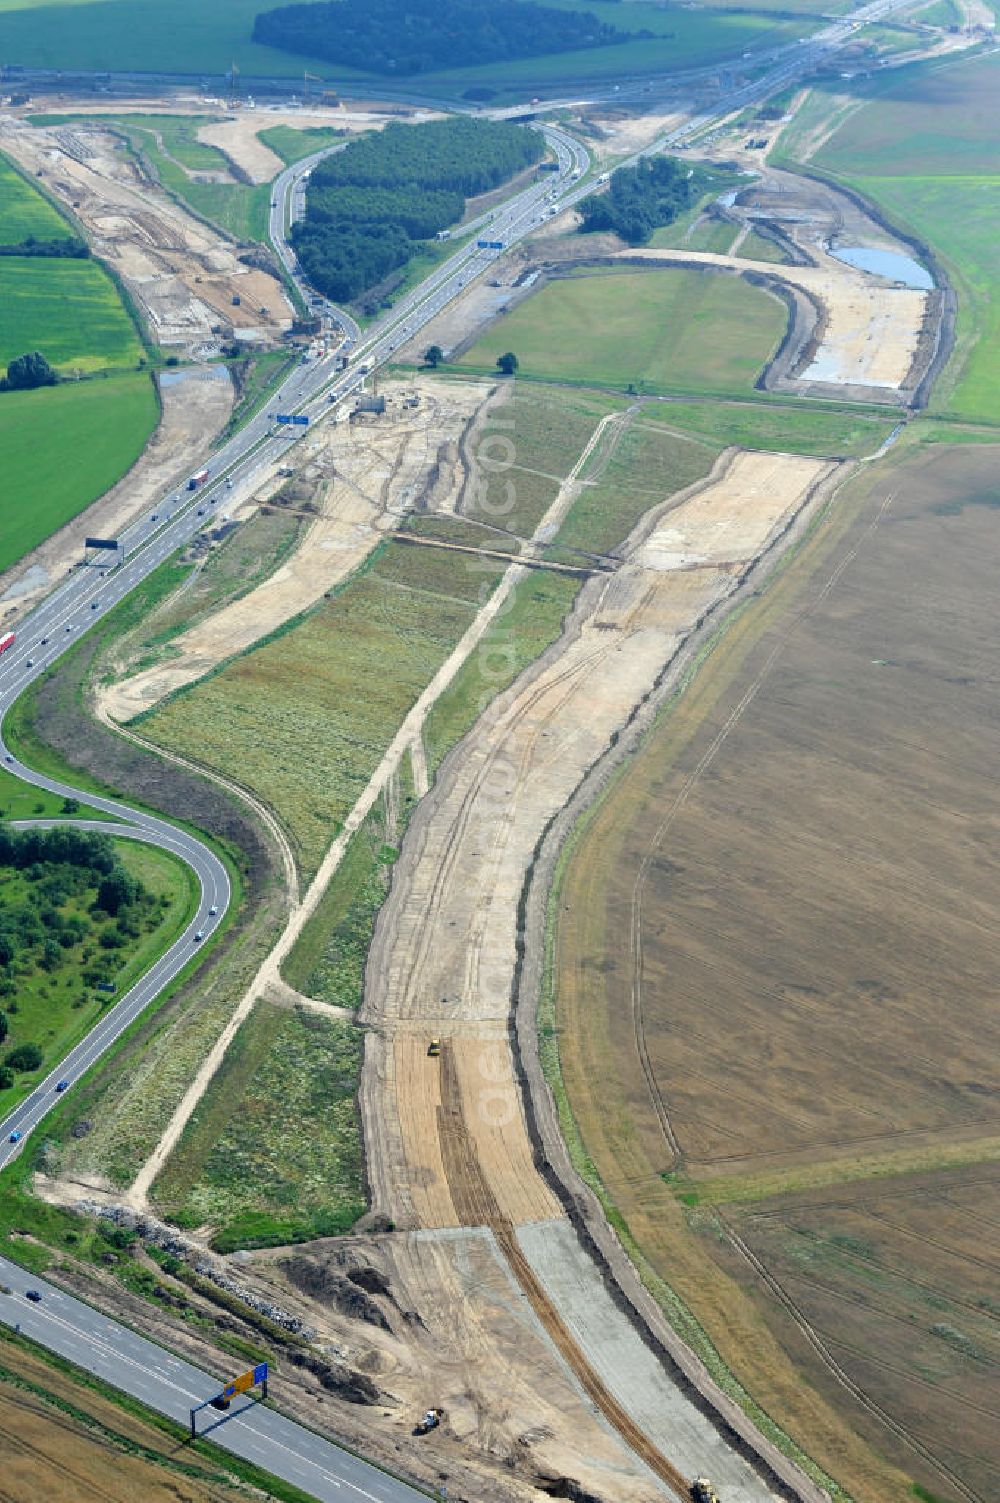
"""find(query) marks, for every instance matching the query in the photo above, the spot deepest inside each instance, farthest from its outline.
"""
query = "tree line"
(66, 248)
(642, 198)
(370, 206)
(382, 36)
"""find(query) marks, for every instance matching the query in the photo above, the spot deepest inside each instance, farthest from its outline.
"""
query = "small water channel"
(886, 263)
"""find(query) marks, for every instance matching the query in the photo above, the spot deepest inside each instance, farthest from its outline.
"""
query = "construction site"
(484, 1279)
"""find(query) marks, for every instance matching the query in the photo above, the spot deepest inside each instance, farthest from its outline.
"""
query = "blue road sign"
(297, 420)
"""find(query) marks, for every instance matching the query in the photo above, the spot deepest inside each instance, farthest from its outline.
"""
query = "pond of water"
(886, 263)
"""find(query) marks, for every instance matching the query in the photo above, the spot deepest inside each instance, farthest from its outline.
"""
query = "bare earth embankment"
(446, 1142)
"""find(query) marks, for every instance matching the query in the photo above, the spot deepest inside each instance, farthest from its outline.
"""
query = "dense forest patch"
(370, 205)
(642, 198)
(380, 36)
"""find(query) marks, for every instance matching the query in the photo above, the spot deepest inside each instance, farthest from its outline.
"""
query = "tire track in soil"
(476, 1205)
(812, 1336)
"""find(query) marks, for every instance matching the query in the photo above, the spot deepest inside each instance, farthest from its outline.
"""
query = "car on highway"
(220, 1402)
(8, 758)
(213, 910)
(15, 1137)
(62, 1085)
(33, 1295)
(29, 663)
(199, 936)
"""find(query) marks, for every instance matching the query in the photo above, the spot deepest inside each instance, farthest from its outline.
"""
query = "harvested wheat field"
(99, 1453)
(777, 958)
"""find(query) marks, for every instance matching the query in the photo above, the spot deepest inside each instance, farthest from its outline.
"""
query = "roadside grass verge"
(20, 800)
(54, 1005)
(273, 1152)
(286, 718)
(64, 446)
(663, 331)
(262, 374)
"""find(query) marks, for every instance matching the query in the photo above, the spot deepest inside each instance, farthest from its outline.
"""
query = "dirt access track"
(182, 273)
(446, 1139)
(363, 480)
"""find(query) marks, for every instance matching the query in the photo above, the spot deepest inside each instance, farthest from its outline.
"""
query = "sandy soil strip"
(369, 478)
(445, 1137)
(872, 330)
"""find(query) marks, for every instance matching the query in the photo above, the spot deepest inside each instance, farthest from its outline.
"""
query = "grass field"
(286, 719)
(24, 212)
(292, 145)
(328, 959)
(247, 557)
(819, 943)
(55, 1008)
(63, 447)
(922, 146)
(20, 801)
(70, 310)
(804, 428)
(673, 330)
(185, 36)
(241, 1169)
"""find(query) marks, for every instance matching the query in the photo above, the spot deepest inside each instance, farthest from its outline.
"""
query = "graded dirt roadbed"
(445, 1138)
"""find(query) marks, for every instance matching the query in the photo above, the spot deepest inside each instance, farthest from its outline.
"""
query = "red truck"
(7, 640)
(198, 479)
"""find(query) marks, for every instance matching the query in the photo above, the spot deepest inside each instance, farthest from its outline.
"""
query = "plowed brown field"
(778, 944)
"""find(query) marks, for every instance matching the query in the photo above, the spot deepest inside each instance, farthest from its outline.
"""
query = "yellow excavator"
(702, 1491)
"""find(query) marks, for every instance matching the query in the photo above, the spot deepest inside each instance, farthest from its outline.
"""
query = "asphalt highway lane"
(173, 1387)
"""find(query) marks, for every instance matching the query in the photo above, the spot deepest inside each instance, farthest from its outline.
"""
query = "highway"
(90, 591)
(87, 593)
(173, 1387)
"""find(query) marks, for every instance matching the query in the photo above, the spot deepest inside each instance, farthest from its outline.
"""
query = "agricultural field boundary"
(591, 1218)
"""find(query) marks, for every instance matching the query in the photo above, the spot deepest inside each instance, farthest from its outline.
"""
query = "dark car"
(63, 1085)
(15, 1137)
(221, 1402)
(33, 1295)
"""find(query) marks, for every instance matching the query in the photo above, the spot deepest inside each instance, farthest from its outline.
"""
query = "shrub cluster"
(642, 198)
(75, 886)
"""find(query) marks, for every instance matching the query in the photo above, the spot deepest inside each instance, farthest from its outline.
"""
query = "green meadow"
(189, 36)
(63, 447)
(70, 310)
(660, 331)
(24, 212)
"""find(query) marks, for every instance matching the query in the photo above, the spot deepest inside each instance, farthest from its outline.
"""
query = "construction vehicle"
(434, 1048)
(430, 1422)
(702, 1491)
